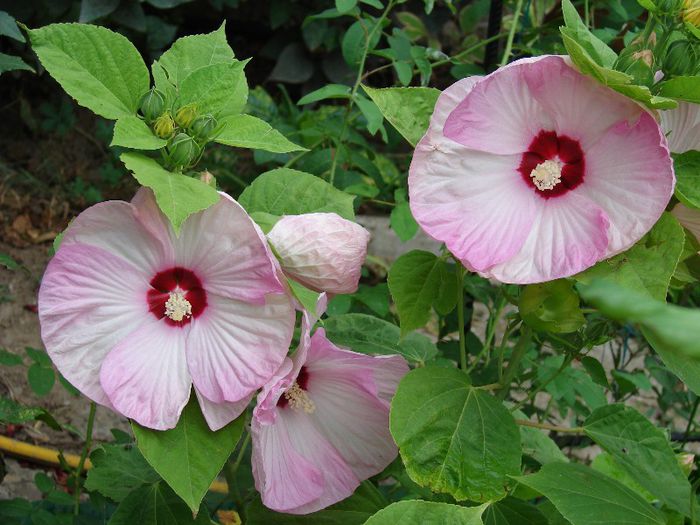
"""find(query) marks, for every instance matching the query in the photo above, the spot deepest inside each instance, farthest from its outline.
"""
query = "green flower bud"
(183, 150)
(152, 104)
(681, 59)
(203, 126)
(164, 126)
(185, 115)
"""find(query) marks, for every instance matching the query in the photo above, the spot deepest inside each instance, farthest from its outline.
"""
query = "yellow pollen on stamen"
(547, 174)
(299, 400)
(177, 307)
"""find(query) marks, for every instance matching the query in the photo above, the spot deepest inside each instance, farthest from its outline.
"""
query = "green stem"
(469, 50)
(356, 86)
(460, 320)
(230, 470)
(693, 411)
(543, 385)
(83, 457)
(587, 14)
(515, 358)
(547, 426)
(511, 33)
(490, 332)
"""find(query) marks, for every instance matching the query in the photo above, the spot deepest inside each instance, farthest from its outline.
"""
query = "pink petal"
(218, 415)
(234, 348)
(682, 127)
(629, 174)
(474, 202)
(90, 300)
(499, 115)
(146, 377)
(579, 106)
(568, 236)
(122, 229)
(689, 218)
(223, 245)
(322, 251)
(448, 100)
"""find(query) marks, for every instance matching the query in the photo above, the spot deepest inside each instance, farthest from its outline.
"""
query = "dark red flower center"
(297, 390)
(553, 164)
(177, 296)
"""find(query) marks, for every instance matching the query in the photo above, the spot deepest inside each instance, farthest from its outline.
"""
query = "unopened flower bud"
(681, 58)
(645, 55)
(202, 127)
(183, 150)
(185, 115)
(208, 178)
(152, 104)
(686, 462)
(164, 126)
(322, 251)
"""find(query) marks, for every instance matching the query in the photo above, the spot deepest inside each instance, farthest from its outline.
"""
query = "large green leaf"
(681, 88)
(247, 131)
(419, 281)
(156, 505)
(215, 89)
(643, 451)
(584, 496)
(354, 510)
(132, 132)
(285, 191)
(552, 307)
(189, 456)
(512, 511)
(117, 470)
(687, 168)
(647, 267)
(418, 512)
(190, 53)
(407, 109)
(452, 437)
(596, 48)
(100, 69)
(177, 195)
(370, 335)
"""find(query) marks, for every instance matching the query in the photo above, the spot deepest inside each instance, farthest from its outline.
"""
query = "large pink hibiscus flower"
(321, 425)
(537, 172)
(133, 315)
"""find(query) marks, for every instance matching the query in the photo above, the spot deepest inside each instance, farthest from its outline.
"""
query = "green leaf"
(418, 281)
(8, 262)
(538, 445)
(190, 53)
(326, 92)
(643, 451)
(687, 168)
(370, 335)
(117, 470)
(100, 69)
(407, 109)
(307, 298)
(189, 456)
(584, 496)
(13, 63)
(402, 222)
(343, 6)
(156, 504)
(356, 41)
(454, 438)
(596, 48)
(38, 356)
(41, 379)
(512, 511)
(246, 131)
(551, 307)
(177, 195)
(215, 89)
(649, 265)
(285, 191)
(132, 132)
(595, 370)
(8, 27)
(354, 510)
(681, 88)
(12, 412)
(607, 464)
(418, 512)
(371, 113)
(9, 359)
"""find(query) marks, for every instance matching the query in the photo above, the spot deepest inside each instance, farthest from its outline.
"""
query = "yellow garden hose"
(50, 456)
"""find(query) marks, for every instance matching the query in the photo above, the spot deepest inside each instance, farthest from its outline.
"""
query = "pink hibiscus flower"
(321, 425)
(537, 172)
(322, 251)
(133, 315)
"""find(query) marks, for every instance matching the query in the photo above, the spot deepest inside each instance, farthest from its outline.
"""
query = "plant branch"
(83, 457)
(547, 426)
(511, 33)
(460, 320)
